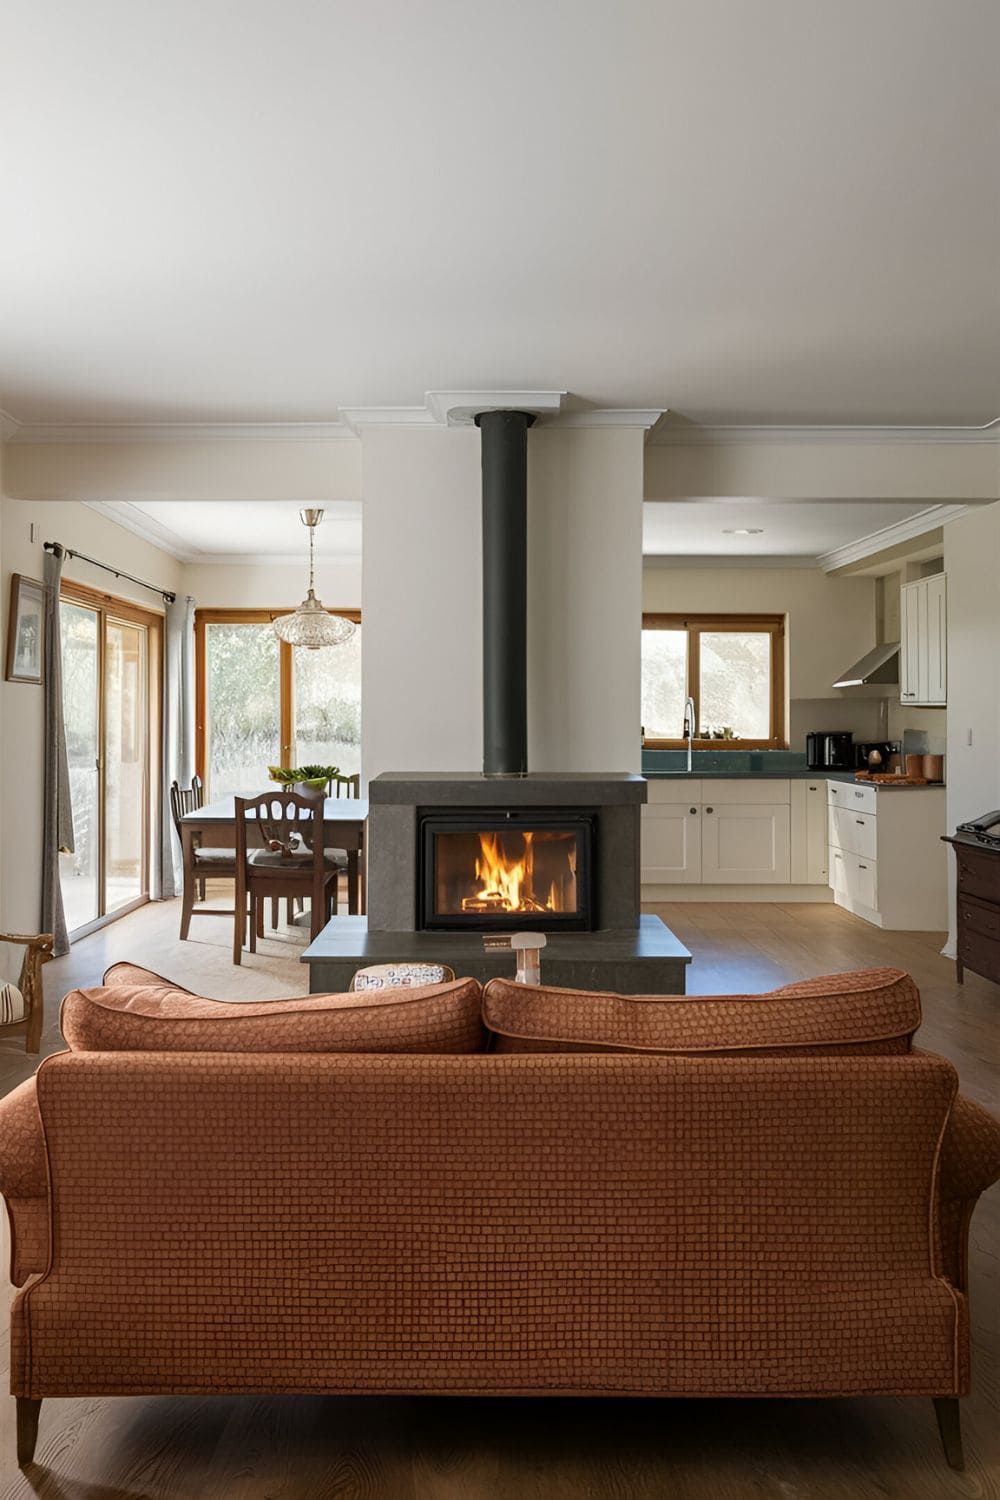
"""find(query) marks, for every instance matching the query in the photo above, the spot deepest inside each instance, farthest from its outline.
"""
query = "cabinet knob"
(814, 788)
(709, 809)
(694, 809)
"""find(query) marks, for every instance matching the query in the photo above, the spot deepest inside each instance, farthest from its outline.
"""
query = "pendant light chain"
(311, 626)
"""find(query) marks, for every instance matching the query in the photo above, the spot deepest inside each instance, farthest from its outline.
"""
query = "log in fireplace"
(497, 869)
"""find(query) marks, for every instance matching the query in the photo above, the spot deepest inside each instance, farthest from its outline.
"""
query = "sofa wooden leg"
(949, 1420)
(27, 1429)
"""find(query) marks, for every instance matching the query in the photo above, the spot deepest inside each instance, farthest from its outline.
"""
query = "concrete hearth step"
(648, 960)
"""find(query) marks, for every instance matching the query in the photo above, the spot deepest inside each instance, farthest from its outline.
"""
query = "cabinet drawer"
(978, 875)
(854, 878)
(666, 790)
(981, 954)
(853, 831)
(976, 916)
(848, 794)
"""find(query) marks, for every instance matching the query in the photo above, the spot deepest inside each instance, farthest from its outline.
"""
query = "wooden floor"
(285, 1448)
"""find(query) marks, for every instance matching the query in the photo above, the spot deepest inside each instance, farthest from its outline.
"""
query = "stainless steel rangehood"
(879, 666)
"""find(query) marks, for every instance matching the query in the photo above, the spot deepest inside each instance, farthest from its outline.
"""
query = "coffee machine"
(830, 750)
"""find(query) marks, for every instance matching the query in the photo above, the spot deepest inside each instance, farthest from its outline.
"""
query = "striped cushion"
(12, 1006)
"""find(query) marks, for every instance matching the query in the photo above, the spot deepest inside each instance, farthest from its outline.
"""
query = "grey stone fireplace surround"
(627, 952)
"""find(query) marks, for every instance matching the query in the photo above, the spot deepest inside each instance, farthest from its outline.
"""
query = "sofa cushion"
(129, 1017)
(871, 1011)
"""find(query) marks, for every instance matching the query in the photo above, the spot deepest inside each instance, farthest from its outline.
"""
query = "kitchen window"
(733, 666)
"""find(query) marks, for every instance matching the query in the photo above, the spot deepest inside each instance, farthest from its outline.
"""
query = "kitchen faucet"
(689, 725)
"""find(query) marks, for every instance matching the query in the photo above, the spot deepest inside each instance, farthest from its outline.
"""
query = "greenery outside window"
(261, 702)
(733, 666)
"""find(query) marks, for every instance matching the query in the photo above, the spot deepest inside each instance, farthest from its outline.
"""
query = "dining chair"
(350, 786)
(291, 861)
(200, 863)
(21, 1004)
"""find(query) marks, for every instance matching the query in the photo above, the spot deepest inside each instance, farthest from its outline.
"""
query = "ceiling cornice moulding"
(132, 518)
(181, 432)
(722, 435)
(890, 536)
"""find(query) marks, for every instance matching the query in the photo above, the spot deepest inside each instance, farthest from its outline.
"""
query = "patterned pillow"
(130, 1017)
(401, 976)
(869, 1011)
(12, 1006)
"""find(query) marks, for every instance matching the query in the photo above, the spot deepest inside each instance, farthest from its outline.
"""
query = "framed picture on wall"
(25, 629)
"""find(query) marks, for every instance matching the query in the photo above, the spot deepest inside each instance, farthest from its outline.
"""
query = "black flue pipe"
(505, 591)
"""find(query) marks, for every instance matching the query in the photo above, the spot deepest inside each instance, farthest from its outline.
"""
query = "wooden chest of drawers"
(978, 882)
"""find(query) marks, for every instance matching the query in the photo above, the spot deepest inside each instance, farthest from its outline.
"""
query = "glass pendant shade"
(311, 626)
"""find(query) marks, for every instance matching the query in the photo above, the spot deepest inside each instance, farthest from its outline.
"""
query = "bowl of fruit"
(308, 781)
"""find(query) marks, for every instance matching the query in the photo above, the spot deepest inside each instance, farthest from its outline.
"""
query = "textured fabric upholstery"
(144, 1018)
(970, 1162)
(123, 975)
(516, 1224)
(869, 1011)
(24, 1180)
(275, 859)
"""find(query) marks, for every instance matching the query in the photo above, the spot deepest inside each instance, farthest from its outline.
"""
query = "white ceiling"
(252, 212)
(215, 531)
(803, 529)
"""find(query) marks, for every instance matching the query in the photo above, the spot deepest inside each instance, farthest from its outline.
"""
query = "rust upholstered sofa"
(717, 1206)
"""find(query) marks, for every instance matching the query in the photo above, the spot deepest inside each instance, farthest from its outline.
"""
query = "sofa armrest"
(970, 1163)
(24, 1181)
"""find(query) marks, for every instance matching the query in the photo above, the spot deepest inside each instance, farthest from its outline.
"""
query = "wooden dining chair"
(200, 863)
(22, 1004)
(291, 861)
(350, 786)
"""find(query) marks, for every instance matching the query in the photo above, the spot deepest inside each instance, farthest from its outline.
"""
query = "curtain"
(178, 733)
(57, 818)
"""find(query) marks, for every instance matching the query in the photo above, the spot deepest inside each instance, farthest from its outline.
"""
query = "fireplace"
(483, 870)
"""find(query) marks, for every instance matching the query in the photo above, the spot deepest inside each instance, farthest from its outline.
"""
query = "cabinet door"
(817, 858)
(937, 639)
(745, 844)
(671, 844)
(913, 642)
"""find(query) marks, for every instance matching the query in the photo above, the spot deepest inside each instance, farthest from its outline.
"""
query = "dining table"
(344, 819)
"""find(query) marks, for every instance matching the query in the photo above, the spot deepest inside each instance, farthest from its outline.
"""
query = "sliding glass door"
(107, 647)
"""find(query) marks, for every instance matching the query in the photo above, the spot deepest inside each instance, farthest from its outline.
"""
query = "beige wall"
(263, 586)
(830, 623)
(972, 562)
(21, 704)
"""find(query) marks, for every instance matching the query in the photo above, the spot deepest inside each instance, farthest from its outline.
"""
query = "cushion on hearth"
(125, 1017)
(868, 1011)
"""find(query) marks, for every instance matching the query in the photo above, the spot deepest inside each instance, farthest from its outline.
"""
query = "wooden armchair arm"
(38, 947)
(42, 940)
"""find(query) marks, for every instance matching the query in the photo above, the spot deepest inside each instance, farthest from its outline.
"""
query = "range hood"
(879, 666)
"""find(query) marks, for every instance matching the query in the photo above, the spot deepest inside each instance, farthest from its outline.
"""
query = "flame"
(505, 883)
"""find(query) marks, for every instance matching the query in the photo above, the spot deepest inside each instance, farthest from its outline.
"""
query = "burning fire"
(507, 884)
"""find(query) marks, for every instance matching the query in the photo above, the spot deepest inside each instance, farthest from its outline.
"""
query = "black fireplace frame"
(581, 821)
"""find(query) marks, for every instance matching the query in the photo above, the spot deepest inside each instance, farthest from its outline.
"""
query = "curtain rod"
(154, 588)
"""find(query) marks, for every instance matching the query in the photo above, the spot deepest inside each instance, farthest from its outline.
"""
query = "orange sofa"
(786, 1221)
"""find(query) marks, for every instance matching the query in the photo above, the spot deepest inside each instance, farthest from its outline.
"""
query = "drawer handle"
(862, 867)
(839, 856)
(860, 822)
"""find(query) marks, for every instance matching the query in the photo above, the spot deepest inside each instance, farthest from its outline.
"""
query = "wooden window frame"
(286, 685)
(698, 625)
(110, 606)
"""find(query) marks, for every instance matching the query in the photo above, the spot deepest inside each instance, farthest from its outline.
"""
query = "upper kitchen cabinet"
(923, 652)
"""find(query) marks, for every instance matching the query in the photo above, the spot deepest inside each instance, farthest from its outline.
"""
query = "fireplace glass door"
(507, 871)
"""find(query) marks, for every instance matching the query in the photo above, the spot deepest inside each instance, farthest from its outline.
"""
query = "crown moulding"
(699, 435)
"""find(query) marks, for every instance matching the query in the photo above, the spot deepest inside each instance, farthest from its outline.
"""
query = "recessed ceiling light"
(742, 531)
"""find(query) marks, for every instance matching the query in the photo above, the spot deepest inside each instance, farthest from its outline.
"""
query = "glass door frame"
(110, 607)
(286, 678)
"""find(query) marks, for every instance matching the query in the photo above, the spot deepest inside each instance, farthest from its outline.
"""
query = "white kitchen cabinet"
(923, 653)
(887, 862)
(716, 832)
(745, 843)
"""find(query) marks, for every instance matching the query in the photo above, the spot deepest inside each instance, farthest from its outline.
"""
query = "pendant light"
(310, 625)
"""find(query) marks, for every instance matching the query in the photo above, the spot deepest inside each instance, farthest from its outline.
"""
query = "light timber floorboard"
(314, 1448)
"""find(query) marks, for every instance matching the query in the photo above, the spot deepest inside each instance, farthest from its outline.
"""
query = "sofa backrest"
(489, 1223)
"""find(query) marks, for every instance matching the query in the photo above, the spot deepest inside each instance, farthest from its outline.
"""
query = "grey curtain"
(178, 732)
(57, 819)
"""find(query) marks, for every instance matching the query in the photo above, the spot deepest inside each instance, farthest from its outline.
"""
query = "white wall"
(830, 624)
(422, 673)
(584, 598)
(264, 586)
(972, 562)
(21, 704)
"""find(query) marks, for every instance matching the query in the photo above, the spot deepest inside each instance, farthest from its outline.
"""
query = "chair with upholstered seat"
(21, 1003)
(204, 862)
(285, 858)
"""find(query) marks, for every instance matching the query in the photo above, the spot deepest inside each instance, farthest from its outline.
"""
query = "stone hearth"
(623, 952)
